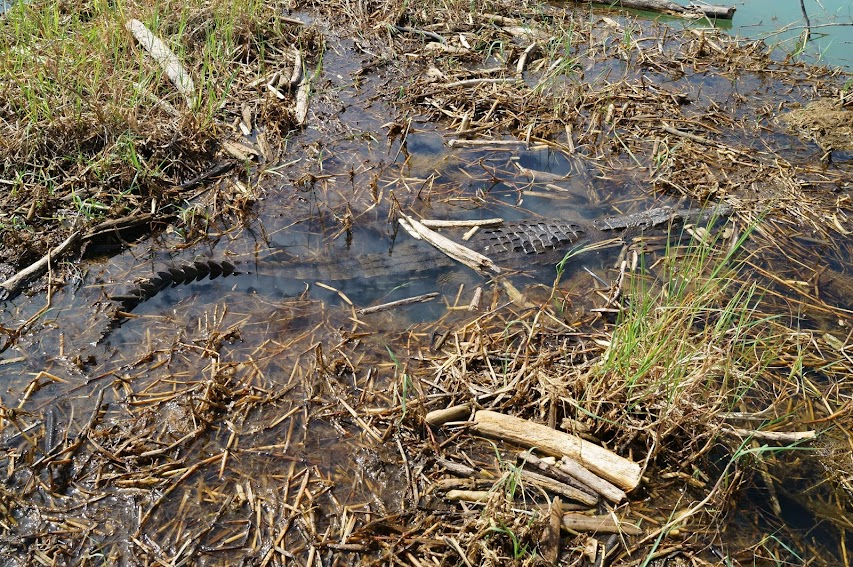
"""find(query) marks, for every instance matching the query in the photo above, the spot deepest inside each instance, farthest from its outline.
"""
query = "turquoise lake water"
(781, 23)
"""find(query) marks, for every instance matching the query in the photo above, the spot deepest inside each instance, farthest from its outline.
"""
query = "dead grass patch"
(92, 129)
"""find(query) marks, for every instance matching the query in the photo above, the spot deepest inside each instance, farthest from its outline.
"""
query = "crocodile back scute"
(528, 237)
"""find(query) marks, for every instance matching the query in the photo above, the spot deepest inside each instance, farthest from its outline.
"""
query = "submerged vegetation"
(278, 423)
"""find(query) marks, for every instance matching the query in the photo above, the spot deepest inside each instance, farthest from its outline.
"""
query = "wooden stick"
(607, 464)
(781, 437)
(575, 470)
(551, 533)
(551, 469)
(13, 285)
(437, 223)
(300, 112)
(399, 303)
(164, 57)
(468, 495)
(607, 524)
(560, 488)
(456, 468)
(439, 417)
(470, 258)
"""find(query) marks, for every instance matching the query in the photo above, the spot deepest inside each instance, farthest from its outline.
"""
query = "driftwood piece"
(470, 258)
(559, 488)
(552, 470)
(437, 418)
(671, 8)
(398, 303)
(164, 57)
(456, 468)
(577, 471)
(438, 223)
(13, 285)
(551, 534)
(607, 464)
(775, 437)
(296, 75)
(300, 112)
(469, 495)
(606, 523)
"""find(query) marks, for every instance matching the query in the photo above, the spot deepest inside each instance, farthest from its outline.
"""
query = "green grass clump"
(689, 344)
(89, 124)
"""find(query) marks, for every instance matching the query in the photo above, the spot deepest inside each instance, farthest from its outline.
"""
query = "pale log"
(671, 8)
(164, 57)
(439, 417)
(606, 523)
(560, 488)
(577, 471)
(606, 464)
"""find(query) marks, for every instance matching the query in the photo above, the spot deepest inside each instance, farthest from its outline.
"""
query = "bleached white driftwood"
(608, 465)
(439, 417)
(465, 255)
(437, 223)
(164, 57)
(296, 74)
(301, 111)
(13, 285)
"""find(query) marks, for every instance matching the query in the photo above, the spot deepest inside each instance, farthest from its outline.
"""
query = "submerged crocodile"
(516, 244)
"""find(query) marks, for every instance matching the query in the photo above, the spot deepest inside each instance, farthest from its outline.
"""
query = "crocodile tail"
(662, 215)
(147, 288)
